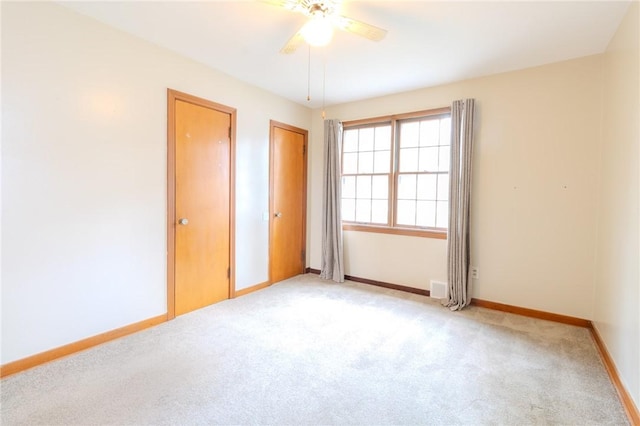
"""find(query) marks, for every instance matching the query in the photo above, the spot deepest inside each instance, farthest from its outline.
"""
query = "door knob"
(183, 221)
(279, 214)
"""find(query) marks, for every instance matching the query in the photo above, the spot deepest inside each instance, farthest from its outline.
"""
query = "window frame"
(394, 228)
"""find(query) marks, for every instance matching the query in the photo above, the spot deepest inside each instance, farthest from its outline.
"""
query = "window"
(395, 173)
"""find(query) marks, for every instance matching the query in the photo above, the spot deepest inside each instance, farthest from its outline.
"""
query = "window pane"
(349, 163)
(365, 162)
(380, 188)
(443, 187)
(443, 164)
(363, 210)
(426, 213)
(428, 159)
(445, 131)
(350, 140)
(383, 138)
(406, 212)
(348, 187)
(409, 134)
(366, 139)
(364, 187)
(407, 187)
(379, 211)
(381, 161)
(442, 214)
(421, 162)
(429, 132)
(427, 187)
(348, 209)
(409, 160)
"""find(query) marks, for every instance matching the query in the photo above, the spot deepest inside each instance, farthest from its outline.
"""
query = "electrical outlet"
(474, 273)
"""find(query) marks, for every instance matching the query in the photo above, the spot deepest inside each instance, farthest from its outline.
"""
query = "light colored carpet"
(306, 351)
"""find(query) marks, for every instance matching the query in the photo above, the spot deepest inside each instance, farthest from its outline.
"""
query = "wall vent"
(438, 289)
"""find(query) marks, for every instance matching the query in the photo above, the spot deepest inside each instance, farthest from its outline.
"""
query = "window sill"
(411, 232)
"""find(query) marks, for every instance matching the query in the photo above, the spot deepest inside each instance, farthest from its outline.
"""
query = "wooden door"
(288, 179)
(202, 216)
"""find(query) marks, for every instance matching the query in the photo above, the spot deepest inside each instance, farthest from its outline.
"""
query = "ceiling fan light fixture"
(318, 31)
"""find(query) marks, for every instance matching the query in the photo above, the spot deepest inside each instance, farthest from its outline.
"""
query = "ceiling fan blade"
(293, 43)
(360, 28)
(293, 5)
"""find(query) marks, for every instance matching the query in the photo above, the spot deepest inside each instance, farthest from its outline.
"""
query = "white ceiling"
(429, 43)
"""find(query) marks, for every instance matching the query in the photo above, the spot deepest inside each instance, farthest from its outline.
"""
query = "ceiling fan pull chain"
(309, 76)
(324, 78)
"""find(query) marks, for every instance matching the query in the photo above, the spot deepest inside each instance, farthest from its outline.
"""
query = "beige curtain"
(332, 265)
(460, 173)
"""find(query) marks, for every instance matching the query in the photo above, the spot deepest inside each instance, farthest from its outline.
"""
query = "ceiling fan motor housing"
(318, 7)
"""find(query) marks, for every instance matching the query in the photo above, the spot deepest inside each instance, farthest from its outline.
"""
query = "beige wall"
(534, 199)
(84, 174)
(617, 287)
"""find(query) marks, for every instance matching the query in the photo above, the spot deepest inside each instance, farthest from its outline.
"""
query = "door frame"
(305, 133)
(172, 97)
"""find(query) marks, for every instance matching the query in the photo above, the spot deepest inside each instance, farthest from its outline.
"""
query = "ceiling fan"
(324, 17)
